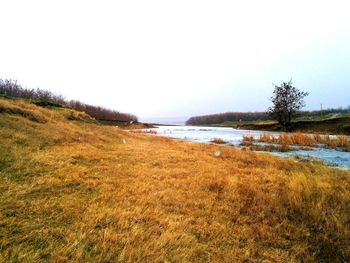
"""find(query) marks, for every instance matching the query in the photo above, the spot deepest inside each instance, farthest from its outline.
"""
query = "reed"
(318, 138)
(343, 141)
(266, 138)
(284, 139)
(248, 140)
(301, 139)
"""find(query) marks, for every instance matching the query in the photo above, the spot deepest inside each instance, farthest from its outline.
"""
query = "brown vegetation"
(73, 191)
(217, 141)
(268, 148)
(248, 140)
(143, 130)
(309, 140)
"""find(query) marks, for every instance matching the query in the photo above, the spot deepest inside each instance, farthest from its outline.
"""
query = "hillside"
(41, 97)
(73, 190)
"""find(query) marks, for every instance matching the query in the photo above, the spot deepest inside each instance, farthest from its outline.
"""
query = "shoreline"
(302, 148)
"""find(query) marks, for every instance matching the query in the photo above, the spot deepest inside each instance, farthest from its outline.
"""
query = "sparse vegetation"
(301, 139)
(267, 147)
(218, 141)
(143, 130)
(248, 140)
(74, 191)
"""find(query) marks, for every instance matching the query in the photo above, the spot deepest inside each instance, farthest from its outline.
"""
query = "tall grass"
(247, 140)
(310, 140)
(265, 137)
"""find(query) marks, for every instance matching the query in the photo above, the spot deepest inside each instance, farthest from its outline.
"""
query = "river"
(234, 137)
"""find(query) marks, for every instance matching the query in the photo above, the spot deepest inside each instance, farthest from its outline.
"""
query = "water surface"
(234, 137)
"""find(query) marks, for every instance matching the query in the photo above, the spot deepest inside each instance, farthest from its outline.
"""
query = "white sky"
(178, 58)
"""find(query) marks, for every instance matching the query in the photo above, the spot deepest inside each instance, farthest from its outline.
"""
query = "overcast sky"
(178, 58)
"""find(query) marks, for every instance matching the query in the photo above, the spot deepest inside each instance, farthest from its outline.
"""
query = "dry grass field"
(72, 190)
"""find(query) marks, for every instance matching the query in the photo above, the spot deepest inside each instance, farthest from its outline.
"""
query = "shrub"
(217, 141)
(248, 140)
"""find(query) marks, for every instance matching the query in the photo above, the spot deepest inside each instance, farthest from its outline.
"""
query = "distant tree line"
(253, 116)
(228, 116)
(10, 88)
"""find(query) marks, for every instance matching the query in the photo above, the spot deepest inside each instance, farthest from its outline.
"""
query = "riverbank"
(75, 190)
(338, 125)
(331, 150)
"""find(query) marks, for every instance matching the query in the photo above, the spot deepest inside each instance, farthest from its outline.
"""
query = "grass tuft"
(218, 141)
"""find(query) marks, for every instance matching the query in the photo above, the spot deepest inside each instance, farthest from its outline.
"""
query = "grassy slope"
(77, 191)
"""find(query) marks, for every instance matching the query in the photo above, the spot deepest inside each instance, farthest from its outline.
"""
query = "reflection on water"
(234, 137)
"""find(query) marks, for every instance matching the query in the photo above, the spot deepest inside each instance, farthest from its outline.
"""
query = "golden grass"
(41, 115)
(309, 140)
(302, 139)
(77, 192)
(248, 140)
(23, 109)
(284, 139)
(265, 137)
